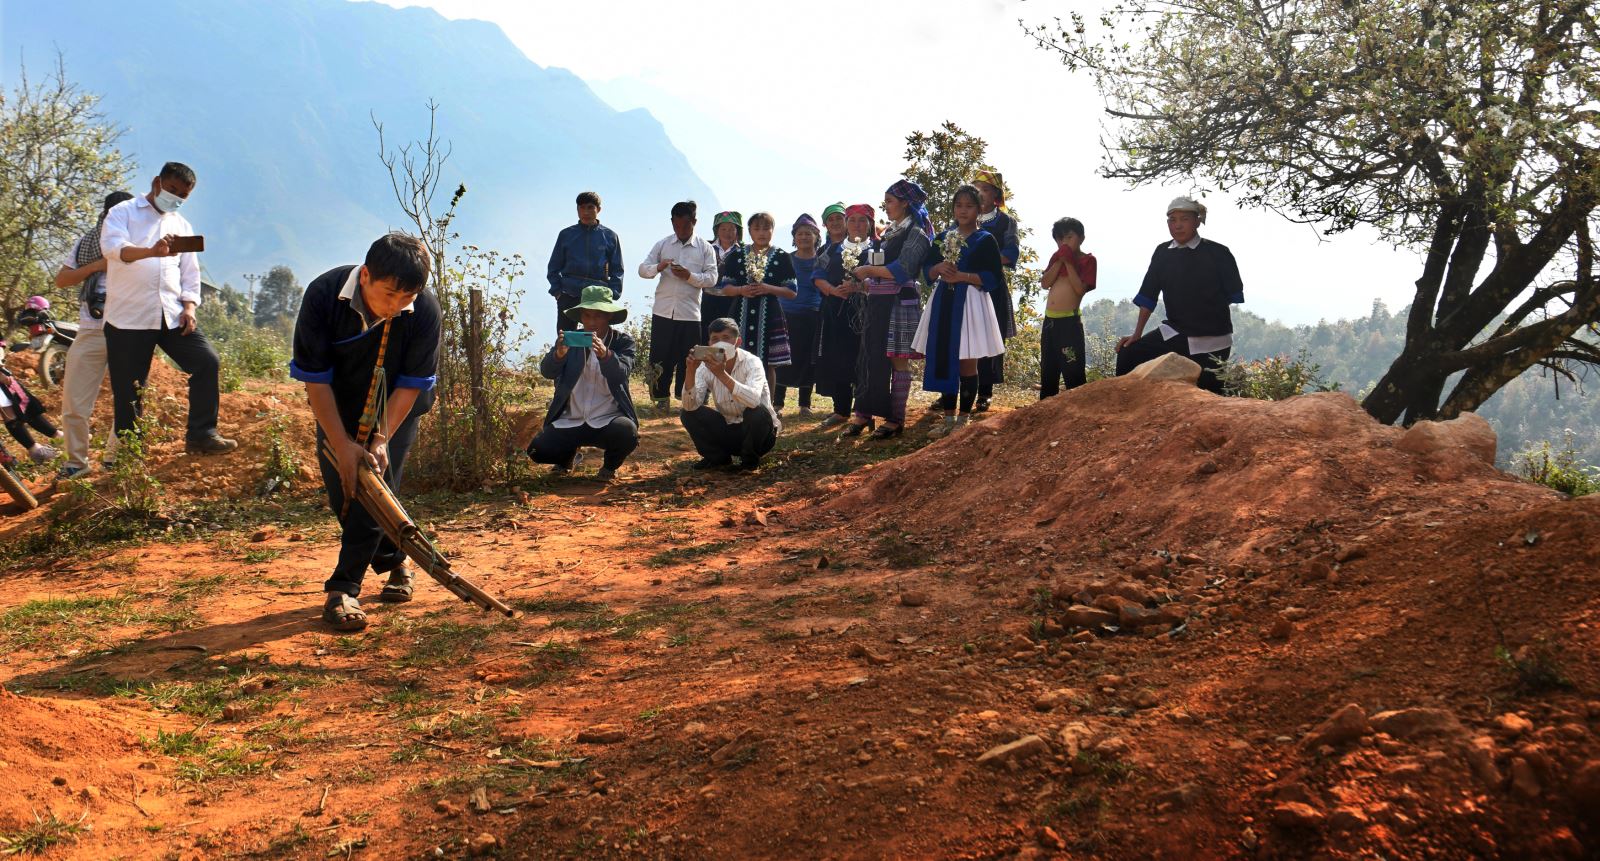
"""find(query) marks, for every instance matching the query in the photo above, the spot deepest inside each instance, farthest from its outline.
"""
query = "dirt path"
(843, 679)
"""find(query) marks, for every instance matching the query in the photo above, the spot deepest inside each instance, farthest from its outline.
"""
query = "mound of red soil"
(1318, 635)
(1175, 466)
(247, 415)
(66, 758)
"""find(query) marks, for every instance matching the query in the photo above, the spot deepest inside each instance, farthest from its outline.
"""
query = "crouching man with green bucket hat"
(592, 406)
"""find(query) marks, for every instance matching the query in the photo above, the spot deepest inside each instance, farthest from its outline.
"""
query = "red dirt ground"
(688, 681)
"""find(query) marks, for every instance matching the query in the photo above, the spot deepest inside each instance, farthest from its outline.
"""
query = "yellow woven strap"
(377, 398)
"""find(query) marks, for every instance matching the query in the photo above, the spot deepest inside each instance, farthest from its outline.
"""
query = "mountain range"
(273, 105)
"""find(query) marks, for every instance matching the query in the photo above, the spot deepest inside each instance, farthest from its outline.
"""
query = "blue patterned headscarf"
(805, 220)
(915, 198)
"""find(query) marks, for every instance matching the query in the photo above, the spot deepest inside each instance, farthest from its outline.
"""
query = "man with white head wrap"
(1197, 279)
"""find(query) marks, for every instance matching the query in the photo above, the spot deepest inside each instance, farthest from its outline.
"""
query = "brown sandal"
(343, 613)
(399, 587)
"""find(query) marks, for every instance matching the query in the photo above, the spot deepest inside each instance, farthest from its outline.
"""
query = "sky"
(788, 112)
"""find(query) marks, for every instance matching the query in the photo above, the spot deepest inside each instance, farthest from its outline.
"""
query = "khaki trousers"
(86, 370)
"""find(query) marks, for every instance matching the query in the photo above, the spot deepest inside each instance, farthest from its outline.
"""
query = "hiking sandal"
(343, 613)
(399, 587)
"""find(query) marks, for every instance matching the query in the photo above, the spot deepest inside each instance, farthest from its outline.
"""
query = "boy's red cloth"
(1083, 263)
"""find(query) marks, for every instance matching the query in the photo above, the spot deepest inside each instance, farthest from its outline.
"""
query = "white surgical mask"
(728, 350)
(166, 201)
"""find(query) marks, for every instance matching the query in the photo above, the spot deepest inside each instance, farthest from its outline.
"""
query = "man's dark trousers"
(717, 440)
(563, 303)
(670, 342)
(128, 356)
(363, 542)
(559, 445)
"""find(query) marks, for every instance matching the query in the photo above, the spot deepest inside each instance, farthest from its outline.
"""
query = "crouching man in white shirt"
(739, 420)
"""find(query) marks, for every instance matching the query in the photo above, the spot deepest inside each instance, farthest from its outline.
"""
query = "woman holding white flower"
(959, 326)
(894, 306)
(844, 313)
(756, 276)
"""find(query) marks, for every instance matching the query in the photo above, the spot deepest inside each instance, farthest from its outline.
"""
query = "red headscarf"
(868, 211)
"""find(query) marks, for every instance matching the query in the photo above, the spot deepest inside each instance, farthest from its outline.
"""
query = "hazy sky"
(789, 106)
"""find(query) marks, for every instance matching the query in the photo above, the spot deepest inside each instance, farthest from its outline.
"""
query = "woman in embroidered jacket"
(756, 275)
(959, 326)
(727, 229)
(844, 310)
(894, 307)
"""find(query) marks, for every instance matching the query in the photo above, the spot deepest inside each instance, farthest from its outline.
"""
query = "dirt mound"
(247, 415)
(1345, 638)
(1176, 467)
(65, 758)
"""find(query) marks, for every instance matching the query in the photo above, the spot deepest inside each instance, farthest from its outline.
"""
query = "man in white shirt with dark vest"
(686, 266)
(152, 291)
(739, 420)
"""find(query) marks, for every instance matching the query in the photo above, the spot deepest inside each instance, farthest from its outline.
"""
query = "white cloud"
(788, 106)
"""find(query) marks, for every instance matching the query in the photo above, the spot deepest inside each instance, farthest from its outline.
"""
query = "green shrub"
(1274, 378)
(134, 488)
(461, 444)
(1561, 470)
(283, 463)
(245, 350)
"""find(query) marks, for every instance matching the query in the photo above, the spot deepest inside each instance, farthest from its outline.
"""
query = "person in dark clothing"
(591, 405)
(586, 253)
(1197, 279)
(727, 233)
(999, 223)
(20, 410)
(366, 345)
(894, 308)
(844, 311)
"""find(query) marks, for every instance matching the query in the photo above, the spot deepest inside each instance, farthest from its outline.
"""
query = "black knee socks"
(969, 392)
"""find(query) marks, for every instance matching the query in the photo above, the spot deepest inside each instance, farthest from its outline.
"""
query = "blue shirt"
(585, 255)
(807, 296)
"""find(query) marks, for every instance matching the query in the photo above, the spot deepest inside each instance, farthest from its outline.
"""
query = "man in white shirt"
(151, 294)
(740, 420)
(86, 361)
(687, 266)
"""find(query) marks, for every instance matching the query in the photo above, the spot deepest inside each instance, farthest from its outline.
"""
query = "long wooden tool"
(375, 496)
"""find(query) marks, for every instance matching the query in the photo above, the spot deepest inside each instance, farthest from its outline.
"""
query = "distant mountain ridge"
(272, 104)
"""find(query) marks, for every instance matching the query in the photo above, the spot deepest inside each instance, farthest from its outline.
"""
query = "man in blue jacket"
(592, 405)
(587, 253)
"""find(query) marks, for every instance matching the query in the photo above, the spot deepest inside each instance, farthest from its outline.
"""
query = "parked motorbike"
(50, 338)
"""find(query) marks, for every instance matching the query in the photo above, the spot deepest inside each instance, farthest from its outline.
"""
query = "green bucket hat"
(597, 297)
(728, 217)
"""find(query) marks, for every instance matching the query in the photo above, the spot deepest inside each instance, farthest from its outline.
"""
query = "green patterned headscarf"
(831, 209)
(728, 217)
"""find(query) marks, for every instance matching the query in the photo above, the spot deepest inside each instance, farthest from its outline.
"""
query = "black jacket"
(615, 368)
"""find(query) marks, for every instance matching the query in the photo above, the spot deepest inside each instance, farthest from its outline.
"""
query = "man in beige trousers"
(86, 361)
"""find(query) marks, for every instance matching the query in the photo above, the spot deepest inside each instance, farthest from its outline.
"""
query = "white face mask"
(166, 201)
(728, 349)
